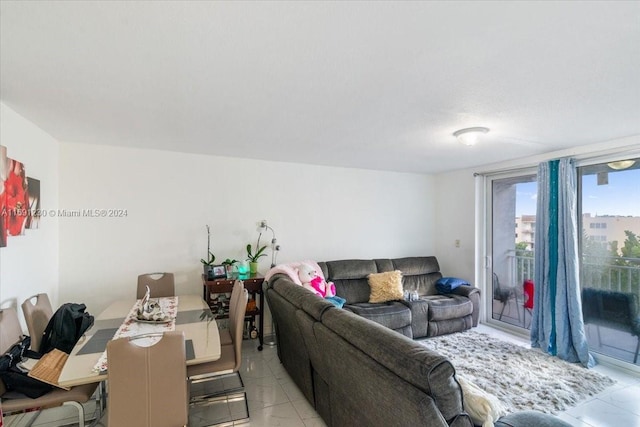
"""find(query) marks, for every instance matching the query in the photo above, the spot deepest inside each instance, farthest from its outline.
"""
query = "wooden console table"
(252, 283)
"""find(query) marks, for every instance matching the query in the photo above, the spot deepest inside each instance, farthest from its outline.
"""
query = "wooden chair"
(231, 358)
(162, 286)
(148, 385)
(10, 333)
(37, 317)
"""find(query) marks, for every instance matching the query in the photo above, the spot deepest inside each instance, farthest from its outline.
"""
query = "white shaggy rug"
(522, 378)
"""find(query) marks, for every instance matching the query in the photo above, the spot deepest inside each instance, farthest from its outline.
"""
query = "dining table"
(87, 362)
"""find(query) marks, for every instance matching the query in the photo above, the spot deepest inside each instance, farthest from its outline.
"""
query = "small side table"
(252, 283)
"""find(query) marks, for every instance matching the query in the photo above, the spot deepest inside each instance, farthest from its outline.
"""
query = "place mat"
(131, 327)
(49, 367)
(194, 316)
(98, 342)
(189, 350)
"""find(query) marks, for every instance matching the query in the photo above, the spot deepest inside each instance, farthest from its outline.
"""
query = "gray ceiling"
(376, 85)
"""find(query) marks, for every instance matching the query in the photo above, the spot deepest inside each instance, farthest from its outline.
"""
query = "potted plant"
(228, 264)
(208, 263)
(253, 257)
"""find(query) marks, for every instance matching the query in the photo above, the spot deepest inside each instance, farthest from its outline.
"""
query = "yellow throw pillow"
(385, 286)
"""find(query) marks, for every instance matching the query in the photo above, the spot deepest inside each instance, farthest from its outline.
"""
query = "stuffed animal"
(311, 280)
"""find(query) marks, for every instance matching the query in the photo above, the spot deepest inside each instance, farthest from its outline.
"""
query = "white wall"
(455, 210)
(29, 263)
(318, 212)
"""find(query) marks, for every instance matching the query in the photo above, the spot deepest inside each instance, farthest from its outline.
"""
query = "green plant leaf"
(259, 253)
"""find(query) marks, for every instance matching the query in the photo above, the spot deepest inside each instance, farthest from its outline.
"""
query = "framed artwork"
(219, 272)
(17, 198)
(4, 171)
(33, 213)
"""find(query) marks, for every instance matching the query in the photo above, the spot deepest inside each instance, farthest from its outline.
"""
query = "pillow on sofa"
(385, 286)
(483, 408)
(445, 285)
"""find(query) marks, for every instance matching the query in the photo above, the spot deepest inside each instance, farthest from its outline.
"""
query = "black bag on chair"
(65, 328)
(15, 379)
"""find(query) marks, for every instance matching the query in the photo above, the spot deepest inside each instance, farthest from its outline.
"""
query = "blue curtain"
(557, 324)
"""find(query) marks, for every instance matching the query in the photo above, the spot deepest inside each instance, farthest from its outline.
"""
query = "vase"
(208, 271)
(230, 271)
(253, 267)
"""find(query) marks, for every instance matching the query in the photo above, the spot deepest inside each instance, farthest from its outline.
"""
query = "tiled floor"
(274, 400)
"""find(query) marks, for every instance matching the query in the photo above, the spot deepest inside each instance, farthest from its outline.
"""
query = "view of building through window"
(609, 210)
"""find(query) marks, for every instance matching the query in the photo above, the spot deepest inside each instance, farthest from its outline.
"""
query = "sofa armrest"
(473, 294)
(466, 290)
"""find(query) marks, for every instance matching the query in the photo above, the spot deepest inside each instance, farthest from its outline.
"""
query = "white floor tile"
(282, 415)
(292, 391)
(602, 414)
(314, 422)
(264, 392)
(573, 421)
(304, 409)
(627, 398)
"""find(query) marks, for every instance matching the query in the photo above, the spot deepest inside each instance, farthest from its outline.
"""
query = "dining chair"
(202, 375)
(160, 284)
(10, 333)
(37, 317)
(147, 386)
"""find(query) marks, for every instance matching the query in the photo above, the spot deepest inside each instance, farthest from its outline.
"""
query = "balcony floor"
(613, 343)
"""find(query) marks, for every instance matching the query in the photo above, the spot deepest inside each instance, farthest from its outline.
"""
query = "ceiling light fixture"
(621, 164)
(470, 136)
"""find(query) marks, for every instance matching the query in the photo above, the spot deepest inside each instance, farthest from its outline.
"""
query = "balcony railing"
(597, 272)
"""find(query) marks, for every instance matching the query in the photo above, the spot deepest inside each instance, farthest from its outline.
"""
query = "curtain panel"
(557, 325)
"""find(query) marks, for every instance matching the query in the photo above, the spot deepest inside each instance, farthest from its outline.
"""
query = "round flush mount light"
(622, 164)
(469, 136)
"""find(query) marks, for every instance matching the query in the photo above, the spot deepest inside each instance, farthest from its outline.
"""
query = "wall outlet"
(457, 243)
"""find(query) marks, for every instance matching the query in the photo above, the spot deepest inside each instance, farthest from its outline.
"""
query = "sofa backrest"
(350, 276)
(285, 299)
(428, 371)
(419, 273)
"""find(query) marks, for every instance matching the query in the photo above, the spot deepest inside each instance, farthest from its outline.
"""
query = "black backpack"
(14, 378)
(65, 328)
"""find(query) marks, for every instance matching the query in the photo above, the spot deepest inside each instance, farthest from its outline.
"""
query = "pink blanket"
(291, 270)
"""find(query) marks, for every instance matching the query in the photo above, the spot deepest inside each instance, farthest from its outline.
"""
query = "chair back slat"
(163, 286)
(37, 317)
(148, 385)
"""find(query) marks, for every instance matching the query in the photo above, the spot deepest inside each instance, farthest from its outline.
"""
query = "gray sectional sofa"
(431, 315)
(356, 372)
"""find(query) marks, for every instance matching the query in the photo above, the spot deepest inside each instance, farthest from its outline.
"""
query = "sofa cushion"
(414, 266)
(385, 286)
(530, 419)
(350, 278)
(419, 273)
(445, 307)
(350, 269)
(393, 314)
(444, 327)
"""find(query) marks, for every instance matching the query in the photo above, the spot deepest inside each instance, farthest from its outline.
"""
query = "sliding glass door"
(513, 227)
(609, 217)
(610, 270)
